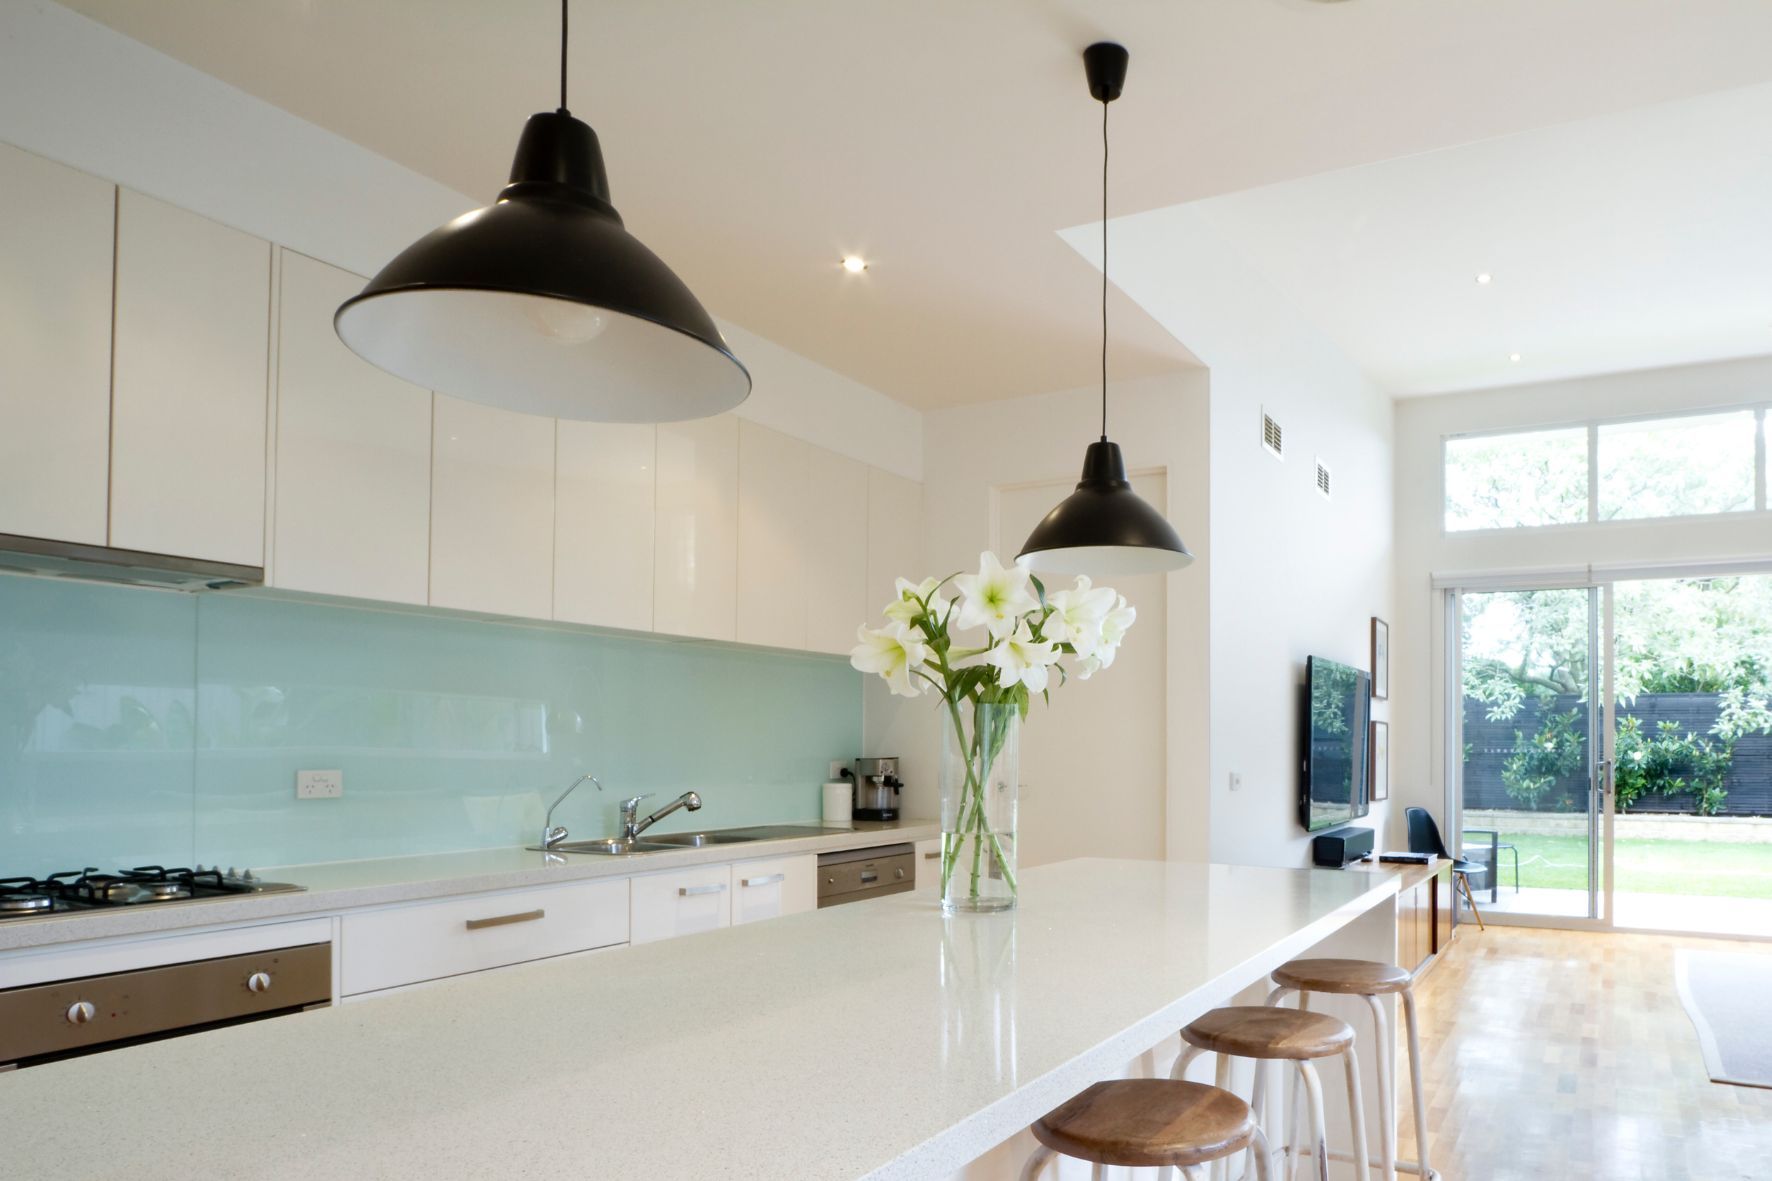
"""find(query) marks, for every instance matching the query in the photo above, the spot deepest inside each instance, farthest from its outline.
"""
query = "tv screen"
(1338, 706)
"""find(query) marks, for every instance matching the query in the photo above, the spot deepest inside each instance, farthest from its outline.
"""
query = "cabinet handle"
(769, 880)
(932, 855)
(692, 891)
(505, 920)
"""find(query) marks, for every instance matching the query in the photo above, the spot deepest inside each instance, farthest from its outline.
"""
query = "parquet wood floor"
(1567, 1055)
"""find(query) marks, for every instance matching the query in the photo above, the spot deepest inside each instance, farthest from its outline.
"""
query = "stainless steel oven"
(857, 874)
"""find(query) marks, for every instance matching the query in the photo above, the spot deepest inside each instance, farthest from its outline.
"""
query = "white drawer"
(773, 886)
(406, 944)
(681, 902)
(929, 865)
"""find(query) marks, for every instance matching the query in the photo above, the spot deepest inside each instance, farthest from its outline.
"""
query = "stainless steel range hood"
(97, 563)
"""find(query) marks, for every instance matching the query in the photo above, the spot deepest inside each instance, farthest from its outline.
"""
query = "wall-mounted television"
(1337, 708)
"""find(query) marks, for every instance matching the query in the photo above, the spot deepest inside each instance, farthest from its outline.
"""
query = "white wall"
(1424, 549)
(78, 92)
(971, 453)
(1291, 575)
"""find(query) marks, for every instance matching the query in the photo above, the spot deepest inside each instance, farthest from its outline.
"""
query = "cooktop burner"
(89, 890)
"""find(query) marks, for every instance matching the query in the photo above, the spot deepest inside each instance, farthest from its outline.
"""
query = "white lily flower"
(1116, 623)
(911, 600)
(1077, 615)
(893, 651)
(994, 598)
(1090, 666)
(1021, 658)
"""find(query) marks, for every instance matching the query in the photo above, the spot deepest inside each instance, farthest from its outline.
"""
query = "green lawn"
(1647, 867)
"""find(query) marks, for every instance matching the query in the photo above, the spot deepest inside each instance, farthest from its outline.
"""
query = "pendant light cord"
(1104, 266)
(563, 4)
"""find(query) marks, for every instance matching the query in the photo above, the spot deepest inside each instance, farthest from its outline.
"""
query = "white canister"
(839, 799)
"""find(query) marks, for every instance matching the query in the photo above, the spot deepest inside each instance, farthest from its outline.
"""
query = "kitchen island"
(872, 1040)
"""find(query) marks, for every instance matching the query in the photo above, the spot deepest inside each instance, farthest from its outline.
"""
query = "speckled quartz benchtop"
(876, 1040)
(342, 885)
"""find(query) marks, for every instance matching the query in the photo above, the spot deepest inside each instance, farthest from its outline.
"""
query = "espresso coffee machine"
(876, 789)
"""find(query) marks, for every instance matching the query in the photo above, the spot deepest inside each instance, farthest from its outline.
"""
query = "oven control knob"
(259, 982)
(80, 1012)
(899, 874)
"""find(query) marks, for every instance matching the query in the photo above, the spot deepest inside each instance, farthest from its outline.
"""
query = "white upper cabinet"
(353, 476)
(55, 348)
(696, 551)
(492, 510)
(773, 477)
(604, 480)
(189, 386)
(895, 537)
(836, 552)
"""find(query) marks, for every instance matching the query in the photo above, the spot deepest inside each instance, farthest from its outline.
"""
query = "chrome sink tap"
(630, 810)
(550, 835)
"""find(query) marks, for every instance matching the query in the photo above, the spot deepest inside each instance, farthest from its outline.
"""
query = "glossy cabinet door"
(929, 865)
(680, 902)
(189, 388)
(770, 887)
(492, 510)
(605, 475)
(352, 505)
(695, 558)
(836, 552)
(773, 483)
(895, 537)
(55, 349)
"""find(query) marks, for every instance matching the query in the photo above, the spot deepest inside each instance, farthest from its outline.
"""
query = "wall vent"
(1273, 439)
(1323, 478)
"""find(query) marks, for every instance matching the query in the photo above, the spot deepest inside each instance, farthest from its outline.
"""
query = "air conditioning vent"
(1272, 437)
(1323, 479)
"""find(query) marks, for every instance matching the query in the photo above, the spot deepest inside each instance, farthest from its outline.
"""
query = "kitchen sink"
(701, 840)
(606, 848)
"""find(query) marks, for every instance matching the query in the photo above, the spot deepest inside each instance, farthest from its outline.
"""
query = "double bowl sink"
(666, 842)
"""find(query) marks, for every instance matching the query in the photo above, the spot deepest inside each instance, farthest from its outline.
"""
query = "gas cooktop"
(89, 890)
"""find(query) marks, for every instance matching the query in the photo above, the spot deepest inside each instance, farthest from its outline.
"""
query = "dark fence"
(1488, 745)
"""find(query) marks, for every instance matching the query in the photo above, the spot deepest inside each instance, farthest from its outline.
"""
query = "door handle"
(692, 891)
(1603, 777)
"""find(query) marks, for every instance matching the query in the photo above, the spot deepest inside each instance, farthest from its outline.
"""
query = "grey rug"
(1726, 995)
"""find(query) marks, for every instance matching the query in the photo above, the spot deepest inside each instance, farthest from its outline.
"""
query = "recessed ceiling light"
(1483, 279)
(855, 264)
(1515, 357)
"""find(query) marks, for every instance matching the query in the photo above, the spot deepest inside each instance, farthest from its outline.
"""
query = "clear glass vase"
(980, 762)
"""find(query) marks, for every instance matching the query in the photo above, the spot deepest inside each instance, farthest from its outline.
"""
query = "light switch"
(1236, 781)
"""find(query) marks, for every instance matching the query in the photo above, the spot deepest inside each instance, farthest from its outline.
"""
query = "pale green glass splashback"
(141, 726)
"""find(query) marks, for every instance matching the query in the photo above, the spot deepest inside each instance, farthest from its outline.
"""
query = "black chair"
(1424, 837)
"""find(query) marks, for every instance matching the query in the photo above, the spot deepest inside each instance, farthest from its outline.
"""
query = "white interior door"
(1095, 760)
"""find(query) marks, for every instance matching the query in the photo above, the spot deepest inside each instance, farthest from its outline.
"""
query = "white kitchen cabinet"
(188, 406)
(492, 510)
(770, 887)
(929, 865)
(680, 902)
(696, 522)
(836, 552)
(55, 348)
(402, 945)
(605, 475)
(895, 536)
(773, 478)
(353, 475)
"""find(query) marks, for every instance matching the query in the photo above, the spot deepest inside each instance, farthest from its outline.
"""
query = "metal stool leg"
(1313, 1087)
(1098, 1172)
(1221, 1168)
(1356, 1114)
(1263, 1158)
(1415, 1088)
(1385, 1048)
(1036, 1163)
(1188, 1053)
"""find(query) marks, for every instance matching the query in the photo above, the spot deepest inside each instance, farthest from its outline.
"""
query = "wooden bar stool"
(1371, 980)
(1266, 1034)
(1148, 1123)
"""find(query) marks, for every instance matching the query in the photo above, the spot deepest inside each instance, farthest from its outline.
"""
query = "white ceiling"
(752, 143)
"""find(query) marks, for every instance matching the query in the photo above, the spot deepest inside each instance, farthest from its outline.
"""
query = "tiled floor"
(1567, 1055)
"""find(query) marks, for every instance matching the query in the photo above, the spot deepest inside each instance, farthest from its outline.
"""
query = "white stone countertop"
(875, 1040)
(341, 885)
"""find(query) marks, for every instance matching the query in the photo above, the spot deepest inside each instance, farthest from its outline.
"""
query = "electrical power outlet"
(838, 766)
(1236, 781)
(319, 785)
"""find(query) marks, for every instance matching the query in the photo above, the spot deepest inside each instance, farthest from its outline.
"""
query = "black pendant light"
(1104, 527)
(543, 303)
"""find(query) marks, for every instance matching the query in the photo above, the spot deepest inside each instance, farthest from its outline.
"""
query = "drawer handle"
(692, 891)
(932, 855)
(768, 880)
(505, 920)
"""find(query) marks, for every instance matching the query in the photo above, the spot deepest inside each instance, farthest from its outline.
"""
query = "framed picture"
(1381, 659)
(1378, 763)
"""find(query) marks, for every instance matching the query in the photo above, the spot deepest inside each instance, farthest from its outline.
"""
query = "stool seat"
(1257, 1031)
(1144, 1122)
(1349, 977)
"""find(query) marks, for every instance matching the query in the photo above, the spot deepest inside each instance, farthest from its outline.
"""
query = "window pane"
(1674, 467)
(1506, 481)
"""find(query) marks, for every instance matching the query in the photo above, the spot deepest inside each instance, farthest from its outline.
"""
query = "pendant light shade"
(1104, 527)
(543, 303)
